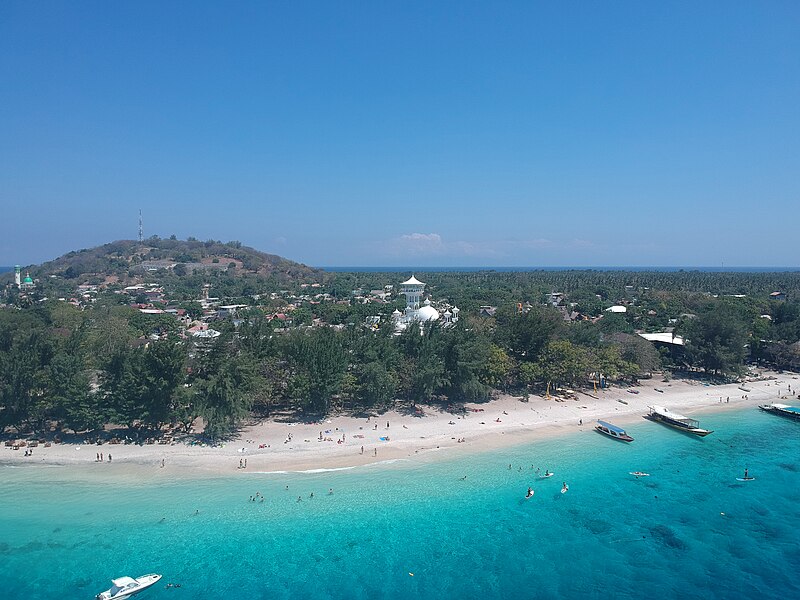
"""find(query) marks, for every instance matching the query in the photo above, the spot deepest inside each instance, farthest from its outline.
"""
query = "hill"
(130, 261)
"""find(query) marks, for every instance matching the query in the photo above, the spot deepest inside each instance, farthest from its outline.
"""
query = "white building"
(417, 309)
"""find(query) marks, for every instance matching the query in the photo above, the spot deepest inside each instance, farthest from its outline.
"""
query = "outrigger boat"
(782, 409)
(612, 431)
(676, 421)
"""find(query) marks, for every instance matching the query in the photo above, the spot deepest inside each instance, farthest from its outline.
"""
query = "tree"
(162, 373)
(73, 403)
(376, 385)
(563, 363)
(525, 335)
(222, 402)
(499, 368)
(716, 339)
(23, 380)
(320, 361)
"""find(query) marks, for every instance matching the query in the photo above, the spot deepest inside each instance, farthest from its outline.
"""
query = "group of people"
(98, 457)
(311, 495)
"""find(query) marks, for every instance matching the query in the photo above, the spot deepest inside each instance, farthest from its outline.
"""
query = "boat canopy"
(675, 417)
(668, 413)
(611, 427)
(123, 581)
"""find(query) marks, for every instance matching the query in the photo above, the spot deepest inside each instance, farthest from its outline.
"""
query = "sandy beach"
(347, 442)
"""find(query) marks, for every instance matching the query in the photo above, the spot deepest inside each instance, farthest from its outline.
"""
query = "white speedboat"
(125, 587)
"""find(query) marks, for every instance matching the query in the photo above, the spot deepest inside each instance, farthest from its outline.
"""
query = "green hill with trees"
(130, 262)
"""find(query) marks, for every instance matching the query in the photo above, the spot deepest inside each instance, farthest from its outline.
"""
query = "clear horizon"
(446, 135)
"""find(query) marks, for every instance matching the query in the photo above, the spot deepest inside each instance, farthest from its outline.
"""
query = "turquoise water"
(662, 536)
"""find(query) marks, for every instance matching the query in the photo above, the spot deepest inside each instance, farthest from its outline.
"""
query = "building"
(417, 309)
(27, 283)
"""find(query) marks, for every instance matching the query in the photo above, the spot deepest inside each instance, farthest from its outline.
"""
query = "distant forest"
(78, 368)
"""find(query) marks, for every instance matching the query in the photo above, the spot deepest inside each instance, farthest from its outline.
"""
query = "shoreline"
(271, 447)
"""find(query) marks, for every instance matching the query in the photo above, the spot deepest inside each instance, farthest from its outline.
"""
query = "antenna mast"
(141, 231)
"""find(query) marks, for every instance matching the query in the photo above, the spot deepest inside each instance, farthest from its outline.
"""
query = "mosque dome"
(427, 313)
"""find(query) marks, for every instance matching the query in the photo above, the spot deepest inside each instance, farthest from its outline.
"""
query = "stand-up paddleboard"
(745, 478)
(546, 475)
(565, 489)
(639, 474)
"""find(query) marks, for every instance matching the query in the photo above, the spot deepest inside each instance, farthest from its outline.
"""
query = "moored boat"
(125, 587)
(676, 421)
(612, 431)
(782, 409)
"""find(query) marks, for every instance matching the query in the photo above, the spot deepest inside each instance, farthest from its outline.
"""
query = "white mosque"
(413, 290)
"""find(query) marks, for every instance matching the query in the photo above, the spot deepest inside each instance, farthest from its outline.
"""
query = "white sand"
(502, 422)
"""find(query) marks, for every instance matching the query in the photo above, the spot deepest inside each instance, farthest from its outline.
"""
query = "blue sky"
(406, 133)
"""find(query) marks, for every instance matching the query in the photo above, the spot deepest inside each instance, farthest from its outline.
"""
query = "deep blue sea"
(690, 530)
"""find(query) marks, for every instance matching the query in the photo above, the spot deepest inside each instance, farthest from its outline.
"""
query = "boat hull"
(621, 438)
(795, 416)
(679, 427)
(145, 581)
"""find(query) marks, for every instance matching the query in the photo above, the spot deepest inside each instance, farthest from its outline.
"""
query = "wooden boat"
(782, 409)
(676, 421)
(612, 431)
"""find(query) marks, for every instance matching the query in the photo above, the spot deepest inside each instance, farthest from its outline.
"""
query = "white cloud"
(433, 245)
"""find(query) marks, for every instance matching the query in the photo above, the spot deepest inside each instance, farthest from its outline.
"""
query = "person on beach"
(109, 457)
(163, 460)
(376, 451)
(362, 449)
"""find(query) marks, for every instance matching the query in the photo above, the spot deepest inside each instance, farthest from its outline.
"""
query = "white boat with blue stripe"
(618, 433)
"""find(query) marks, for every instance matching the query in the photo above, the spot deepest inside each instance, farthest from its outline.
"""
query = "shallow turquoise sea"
(690, 530)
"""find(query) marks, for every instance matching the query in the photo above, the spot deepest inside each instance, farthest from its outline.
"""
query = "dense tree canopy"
(80, 368)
